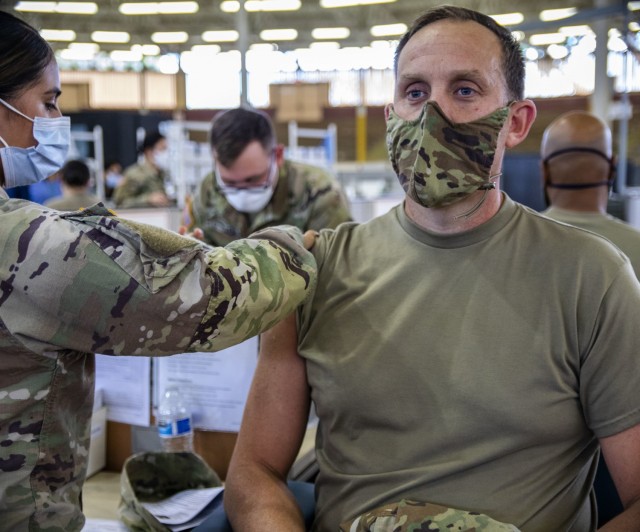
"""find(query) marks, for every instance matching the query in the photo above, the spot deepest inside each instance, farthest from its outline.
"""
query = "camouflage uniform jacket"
(140, 181)
(76, 283)
(306, 197)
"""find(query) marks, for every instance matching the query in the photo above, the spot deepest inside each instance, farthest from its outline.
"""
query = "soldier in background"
(578, 170)
(75, 178)
(252, 185)
(76, 283)
(144, 182)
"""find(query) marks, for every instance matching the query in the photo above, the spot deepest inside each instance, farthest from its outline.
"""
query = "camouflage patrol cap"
(153, 476)
(409, 516)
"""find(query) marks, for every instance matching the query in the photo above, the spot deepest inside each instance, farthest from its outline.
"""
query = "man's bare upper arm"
(622, 454)
(277, 410)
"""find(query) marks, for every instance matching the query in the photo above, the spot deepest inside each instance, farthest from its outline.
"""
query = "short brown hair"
(233, 130)
(512, 60)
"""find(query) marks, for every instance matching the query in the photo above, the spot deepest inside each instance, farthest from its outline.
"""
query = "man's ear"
(279, 153)
(521, 117)
(387, 108)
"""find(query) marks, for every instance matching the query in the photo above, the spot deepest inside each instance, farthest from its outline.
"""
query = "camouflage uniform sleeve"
(330, 208)
(92, 282)
(409, 515)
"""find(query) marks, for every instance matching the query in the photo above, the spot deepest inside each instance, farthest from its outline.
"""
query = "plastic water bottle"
(174, 423)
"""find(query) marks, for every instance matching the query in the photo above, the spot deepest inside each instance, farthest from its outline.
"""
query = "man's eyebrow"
(245, 179)
(411, 77)
(54, 92)
(471, 74)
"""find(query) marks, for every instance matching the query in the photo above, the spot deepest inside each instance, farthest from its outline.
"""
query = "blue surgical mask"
(25, 166)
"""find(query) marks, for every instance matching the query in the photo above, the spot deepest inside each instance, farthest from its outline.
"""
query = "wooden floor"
(101, 495)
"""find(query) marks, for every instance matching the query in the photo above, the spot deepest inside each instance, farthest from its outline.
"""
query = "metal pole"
(98, 152)
(243, 45)
(623, 132)
(602, 90)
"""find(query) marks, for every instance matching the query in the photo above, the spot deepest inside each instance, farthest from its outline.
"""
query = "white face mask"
(250, 199)
(161, 159)
(25, 166)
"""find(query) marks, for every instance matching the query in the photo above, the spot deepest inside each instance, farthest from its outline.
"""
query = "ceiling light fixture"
(212, 49)
(279, 35)
(77, 8)
(125, 56)
(220, 36)
(576, 30)
(324, 45)
(508, 19)
(272, 5)
(77, 54)
(146, 49)
(549, 15)
(36, 7)
(119, 37)
(158, 8)
(68, 8)
(84, 46)
(58, 35)
(330, 33)
(544, 39)
(170, 37)
(350, 3)
(178, 8)
(231, 6)
(263, 47)
(386, 30)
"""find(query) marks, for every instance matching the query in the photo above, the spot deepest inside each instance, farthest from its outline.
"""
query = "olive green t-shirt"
(474, 370)
(623, 235)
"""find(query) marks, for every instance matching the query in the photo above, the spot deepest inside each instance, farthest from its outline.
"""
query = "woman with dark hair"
(144, 182)
(76, 283)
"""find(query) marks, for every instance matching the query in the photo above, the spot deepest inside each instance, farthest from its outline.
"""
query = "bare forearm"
(627, 521)
(257, 500)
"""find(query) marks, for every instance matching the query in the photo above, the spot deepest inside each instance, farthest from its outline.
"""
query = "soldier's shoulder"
(305, 179)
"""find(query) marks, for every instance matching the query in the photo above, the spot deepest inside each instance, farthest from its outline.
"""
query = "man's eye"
(51, 106)
(466, 91)
(415, 94)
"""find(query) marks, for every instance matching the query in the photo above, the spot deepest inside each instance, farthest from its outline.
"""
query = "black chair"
(607, 499)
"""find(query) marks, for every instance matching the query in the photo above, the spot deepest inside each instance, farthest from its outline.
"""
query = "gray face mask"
(25, 166)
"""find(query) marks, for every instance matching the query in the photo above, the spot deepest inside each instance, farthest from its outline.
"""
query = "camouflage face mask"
(438, 162)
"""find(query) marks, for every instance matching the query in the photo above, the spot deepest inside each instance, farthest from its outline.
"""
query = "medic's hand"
(158, 199)
(309, 239)
(197, 233)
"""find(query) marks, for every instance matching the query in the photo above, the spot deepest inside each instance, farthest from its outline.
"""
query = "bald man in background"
(578, 169)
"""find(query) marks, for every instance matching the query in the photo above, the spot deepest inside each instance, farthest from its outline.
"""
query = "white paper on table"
(214, 385)
(183, 507)
(104, 525)
(126, 388)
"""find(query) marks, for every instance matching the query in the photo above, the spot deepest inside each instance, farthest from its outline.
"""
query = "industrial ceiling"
(310, 15)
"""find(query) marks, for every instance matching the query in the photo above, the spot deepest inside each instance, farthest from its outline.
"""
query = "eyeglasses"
(246, 183)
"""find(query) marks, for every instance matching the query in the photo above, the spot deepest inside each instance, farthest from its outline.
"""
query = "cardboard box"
(98, 446)
(303, 102)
